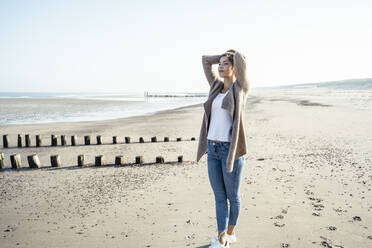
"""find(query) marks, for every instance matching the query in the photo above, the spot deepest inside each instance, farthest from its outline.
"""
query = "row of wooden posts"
(55, 161)
(54, 140)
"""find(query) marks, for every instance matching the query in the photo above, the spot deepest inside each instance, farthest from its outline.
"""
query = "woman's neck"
(227, 82)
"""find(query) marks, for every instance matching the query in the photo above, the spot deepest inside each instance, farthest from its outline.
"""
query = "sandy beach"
(307, 179)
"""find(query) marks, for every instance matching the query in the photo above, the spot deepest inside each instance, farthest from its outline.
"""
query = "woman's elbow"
(247, 87)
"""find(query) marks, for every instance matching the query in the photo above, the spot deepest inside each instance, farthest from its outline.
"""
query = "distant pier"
(181, 94)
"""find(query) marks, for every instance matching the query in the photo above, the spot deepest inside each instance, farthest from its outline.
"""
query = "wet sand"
(307, 179)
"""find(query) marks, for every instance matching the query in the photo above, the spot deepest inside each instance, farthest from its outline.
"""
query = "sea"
(46, 107)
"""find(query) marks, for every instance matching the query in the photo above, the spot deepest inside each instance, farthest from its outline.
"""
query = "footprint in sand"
(339, 210)
(309, 192)
(332, 228)
(357, 218)
(325, 244)
(315, 199)
(278, 225)
(318, 207)
(316, 203)
(278, 217)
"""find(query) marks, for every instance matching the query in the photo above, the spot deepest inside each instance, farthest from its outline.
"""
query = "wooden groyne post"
(114, 139)
(127, 140)
(27, 140)
(1, 160)
(119, 160)
(139, 160)
(180, 159)
(159, 160)
(87, 140)
(166, 139)
(19, 143)
(38, 141)
(5, 141)
(99, 160)
(99, 140)
(153, 139)
(73, 140)
(141, 140)
(63, 140)
(15, 160)
(54, 141)
(55, 161)
(81, 160)
(33, 161)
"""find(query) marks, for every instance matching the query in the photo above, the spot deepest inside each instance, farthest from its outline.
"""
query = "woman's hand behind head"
(231, 51)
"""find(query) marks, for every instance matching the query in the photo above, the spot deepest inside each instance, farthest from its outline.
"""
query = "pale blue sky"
(157, 45)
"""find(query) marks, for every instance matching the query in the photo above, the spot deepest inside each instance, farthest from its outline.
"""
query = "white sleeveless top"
(221, 121)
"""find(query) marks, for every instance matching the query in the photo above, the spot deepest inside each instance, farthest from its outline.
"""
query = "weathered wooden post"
(1, 160)
(153, 139)
(192, 138)
(33, 161)
(73, 140)
(179, 139)
(99, 140)
(81, 160)
(15, 160)
(55, 161)
(114, 139)
(119, 160)
(127, 140)
(139, 160)
(180, 159)
(19, 140)
(159, 160)
(166, 139)
(87, 140)
(141, 140)
(63, 140)
(99, 160)
(38, 140)
(5, 141)
(27, 140)
(54, 140)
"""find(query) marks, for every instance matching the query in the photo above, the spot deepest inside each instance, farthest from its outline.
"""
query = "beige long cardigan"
(233, 102)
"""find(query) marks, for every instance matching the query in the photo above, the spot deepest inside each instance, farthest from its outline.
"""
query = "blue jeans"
(225, 185)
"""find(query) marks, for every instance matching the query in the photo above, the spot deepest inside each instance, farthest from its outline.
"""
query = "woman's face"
(225, 68)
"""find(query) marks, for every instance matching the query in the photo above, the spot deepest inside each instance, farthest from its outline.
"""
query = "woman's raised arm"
(240, 68)
(208, 61)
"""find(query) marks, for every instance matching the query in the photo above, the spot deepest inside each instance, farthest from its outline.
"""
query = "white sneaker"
(215, 239)
(231, 238)
(215, 243)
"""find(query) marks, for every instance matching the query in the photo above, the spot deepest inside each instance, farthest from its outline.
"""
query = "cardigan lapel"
(228, 102)
(213, 93)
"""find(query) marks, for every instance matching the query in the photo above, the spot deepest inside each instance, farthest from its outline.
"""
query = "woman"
(222, 136)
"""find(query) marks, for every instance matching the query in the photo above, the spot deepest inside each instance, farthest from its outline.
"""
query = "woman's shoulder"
(238, 90)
